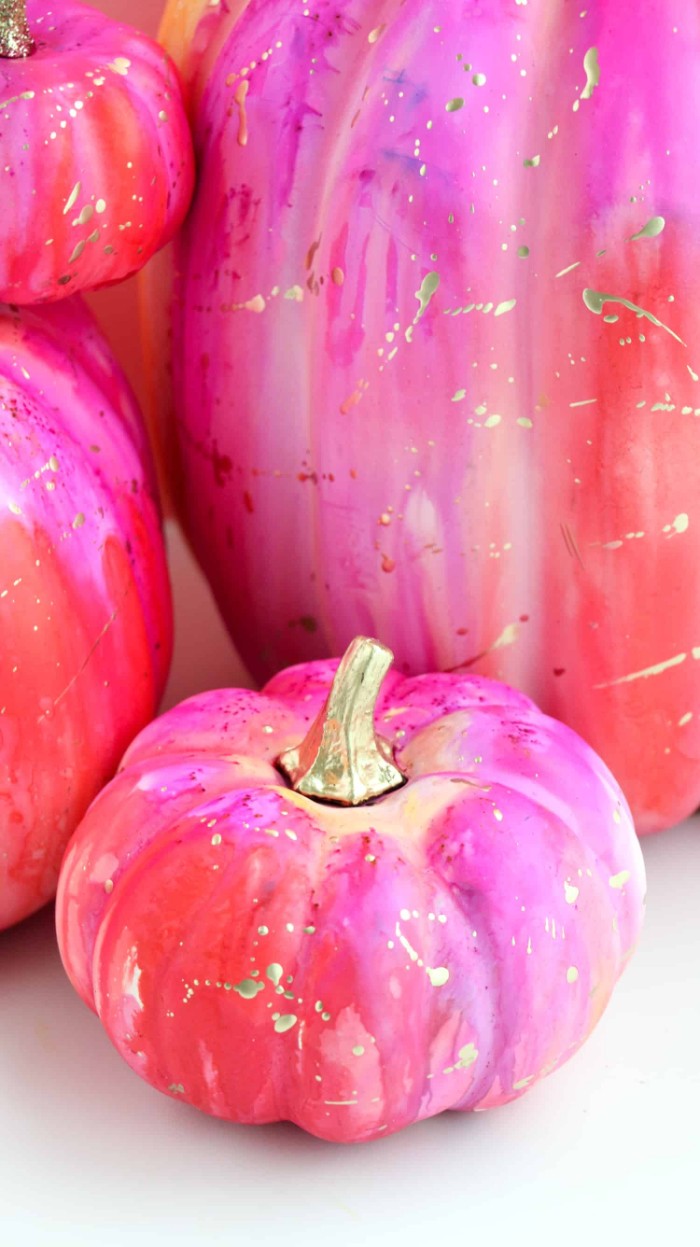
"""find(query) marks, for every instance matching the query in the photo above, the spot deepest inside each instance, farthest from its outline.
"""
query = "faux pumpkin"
(435, 349)
(96, 167)
(278, 913)
(85, 618)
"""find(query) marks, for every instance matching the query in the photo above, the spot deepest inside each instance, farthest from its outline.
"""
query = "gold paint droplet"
(619, 880)
(285, 1022)
(71, 198)
(120, 65)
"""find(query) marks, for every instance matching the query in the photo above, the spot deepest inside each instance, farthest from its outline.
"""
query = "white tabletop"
(608, 1146)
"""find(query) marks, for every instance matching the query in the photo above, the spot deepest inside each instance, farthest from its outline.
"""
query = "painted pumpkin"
(85, 623)
(96, 166)
(436, 352)
(348, 930)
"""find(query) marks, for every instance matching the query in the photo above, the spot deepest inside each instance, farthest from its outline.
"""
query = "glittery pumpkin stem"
(15, 38)
(342, 759)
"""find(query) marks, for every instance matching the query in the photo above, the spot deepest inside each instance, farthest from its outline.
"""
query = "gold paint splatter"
(120, 65)
(285, 1022)
(248, 988)
(619, 880)
(569, 269)
(85, 215)
(652, 229)
(595, 300)
(467, 1056)
(592, 68)
(239, 96)
(71, 198)
(657, 669)
(428, 286)
(506, 306)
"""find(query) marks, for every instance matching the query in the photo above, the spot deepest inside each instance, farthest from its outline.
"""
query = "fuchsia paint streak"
(85, 624)
(96, 167)
(380, 329)
(264, 956)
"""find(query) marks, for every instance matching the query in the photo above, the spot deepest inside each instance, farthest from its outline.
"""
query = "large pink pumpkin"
(265, 955)
(435, 349)
(85, 617)
(96, 167)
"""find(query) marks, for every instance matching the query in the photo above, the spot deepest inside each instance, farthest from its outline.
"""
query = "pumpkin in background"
(435, 351)
(85, 617)
(264, 955)
(96, 167)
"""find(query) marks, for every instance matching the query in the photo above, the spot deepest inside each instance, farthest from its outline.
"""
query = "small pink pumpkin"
(96, 165)
(85, 617)
(264, 952)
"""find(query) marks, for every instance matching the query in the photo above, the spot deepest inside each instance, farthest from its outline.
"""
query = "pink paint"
(85, 626)
(263, 956)
(530, 456)
(96, 167)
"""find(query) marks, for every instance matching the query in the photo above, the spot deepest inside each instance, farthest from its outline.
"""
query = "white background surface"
(606, 1148)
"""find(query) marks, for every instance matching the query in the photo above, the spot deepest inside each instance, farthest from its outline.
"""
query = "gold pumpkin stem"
(342, 759)
(15, 37)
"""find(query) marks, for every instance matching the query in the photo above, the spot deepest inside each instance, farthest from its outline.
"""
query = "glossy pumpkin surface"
(85, 617)
(263, 955)
(436, 354)
(96, 166)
